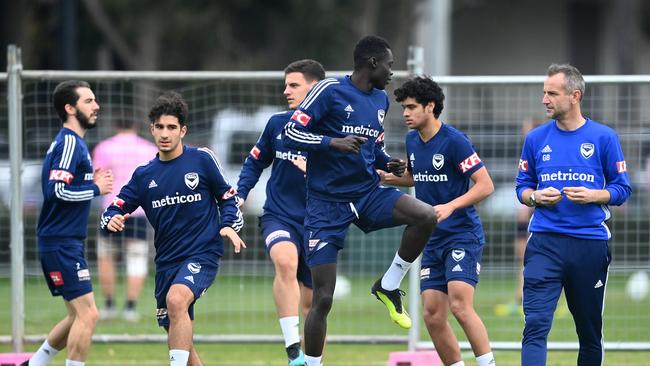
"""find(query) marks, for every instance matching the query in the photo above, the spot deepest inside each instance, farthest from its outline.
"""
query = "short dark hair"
(310, 69)
(66, 93)
(169, 104)
(424, 90)
(367, 47)
(573, 79)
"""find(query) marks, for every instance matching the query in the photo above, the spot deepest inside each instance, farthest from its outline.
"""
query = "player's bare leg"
(324, 281)
(420, 220)
(435, 311)
(286, 293)
(137, 258)
(461, 303)
(306, 298)
(83, 325)
(106, 271)
(179, 338)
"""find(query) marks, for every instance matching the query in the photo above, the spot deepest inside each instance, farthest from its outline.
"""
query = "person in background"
(284, 209)
(121, 154)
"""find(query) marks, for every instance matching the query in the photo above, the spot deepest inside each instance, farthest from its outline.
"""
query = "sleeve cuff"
(613, 196)
(325, 142)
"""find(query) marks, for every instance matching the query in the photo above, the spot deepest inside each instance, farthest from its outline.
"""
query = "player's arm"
(383, 160)
(617, 185)
(468, 163)
(259, 158)
(226, 196)
(114, 218)
(480, 190)
(62, 173)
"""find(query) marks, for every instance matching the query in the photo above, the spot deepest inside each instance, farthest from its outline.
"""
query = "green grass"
(235, 305)
(270, 354)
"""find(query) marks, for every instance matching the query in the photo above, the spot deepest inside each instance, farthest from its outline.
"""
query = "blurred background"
(463, 43)
(476, 37)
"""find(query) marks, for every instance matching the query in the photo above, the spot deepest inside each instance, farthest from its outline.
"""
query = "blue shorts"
(65, 268)
(136, 228)
(327, 222)
(275, 229)
(195, 273)
(454, 260)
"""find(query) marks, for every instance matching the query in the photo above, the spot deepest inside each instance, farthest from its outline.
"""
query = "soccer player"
(69, 185)
(340, 124)
(133, 242)
(571, 169)
(284, 209)
(442, 162)
(190, 205)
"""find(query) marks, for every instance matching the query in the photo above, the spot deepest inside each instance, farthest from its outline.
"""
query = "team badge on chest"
(587, 150)
(191, 180)
(438, 161)
(380, 116)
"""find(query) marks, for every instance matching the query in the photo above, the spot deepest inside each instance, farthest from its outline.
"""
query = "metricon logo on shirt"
(175, 200)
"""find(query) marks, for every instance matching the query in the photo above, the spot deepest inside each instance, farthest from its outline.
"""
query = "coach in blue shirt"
(571, 169)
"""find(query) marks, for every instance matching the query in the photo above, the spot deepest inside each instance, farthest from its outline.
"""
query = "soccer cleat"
(393, 301)
(298, 361)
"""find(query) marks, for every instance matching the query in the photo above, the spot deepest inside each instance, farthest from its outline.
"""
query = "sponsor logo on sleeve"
(117, 201)
(61, 175)
(523, 165)
(300, 117)
(255, 152)
(621, 166)
(469, 163)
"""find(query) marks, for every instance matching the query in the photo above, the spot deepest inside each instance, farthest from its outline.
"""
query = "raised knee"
(286, 267)
(176, 304)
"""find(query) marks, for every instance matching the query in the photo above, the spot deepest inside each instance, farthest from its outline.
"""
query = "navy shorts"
(327, 222)
(275, 229)
(136, 227)
(64, 267)
(454, 260)
(195, 273)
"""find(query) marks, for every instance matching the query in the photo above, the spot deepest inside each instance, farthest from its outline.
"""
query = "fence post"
(415, 65)
(14, 105)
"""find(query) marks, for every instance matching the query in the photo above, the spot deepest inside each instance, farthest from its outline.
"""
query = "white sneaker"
(107, 314)
(130, 315)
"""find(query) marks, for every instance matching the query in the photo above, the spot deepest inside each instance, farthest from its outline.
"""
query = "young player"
(340, 124)
(69, 185)
(190, 205)
(442, 162)
(284, 209)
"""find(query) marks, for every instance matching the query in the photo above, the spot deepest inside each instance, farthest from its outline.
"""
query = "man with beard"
(69, 184)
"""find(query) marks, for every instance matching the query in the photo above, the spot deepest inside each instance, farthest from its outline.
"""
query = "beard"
(84, 121)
